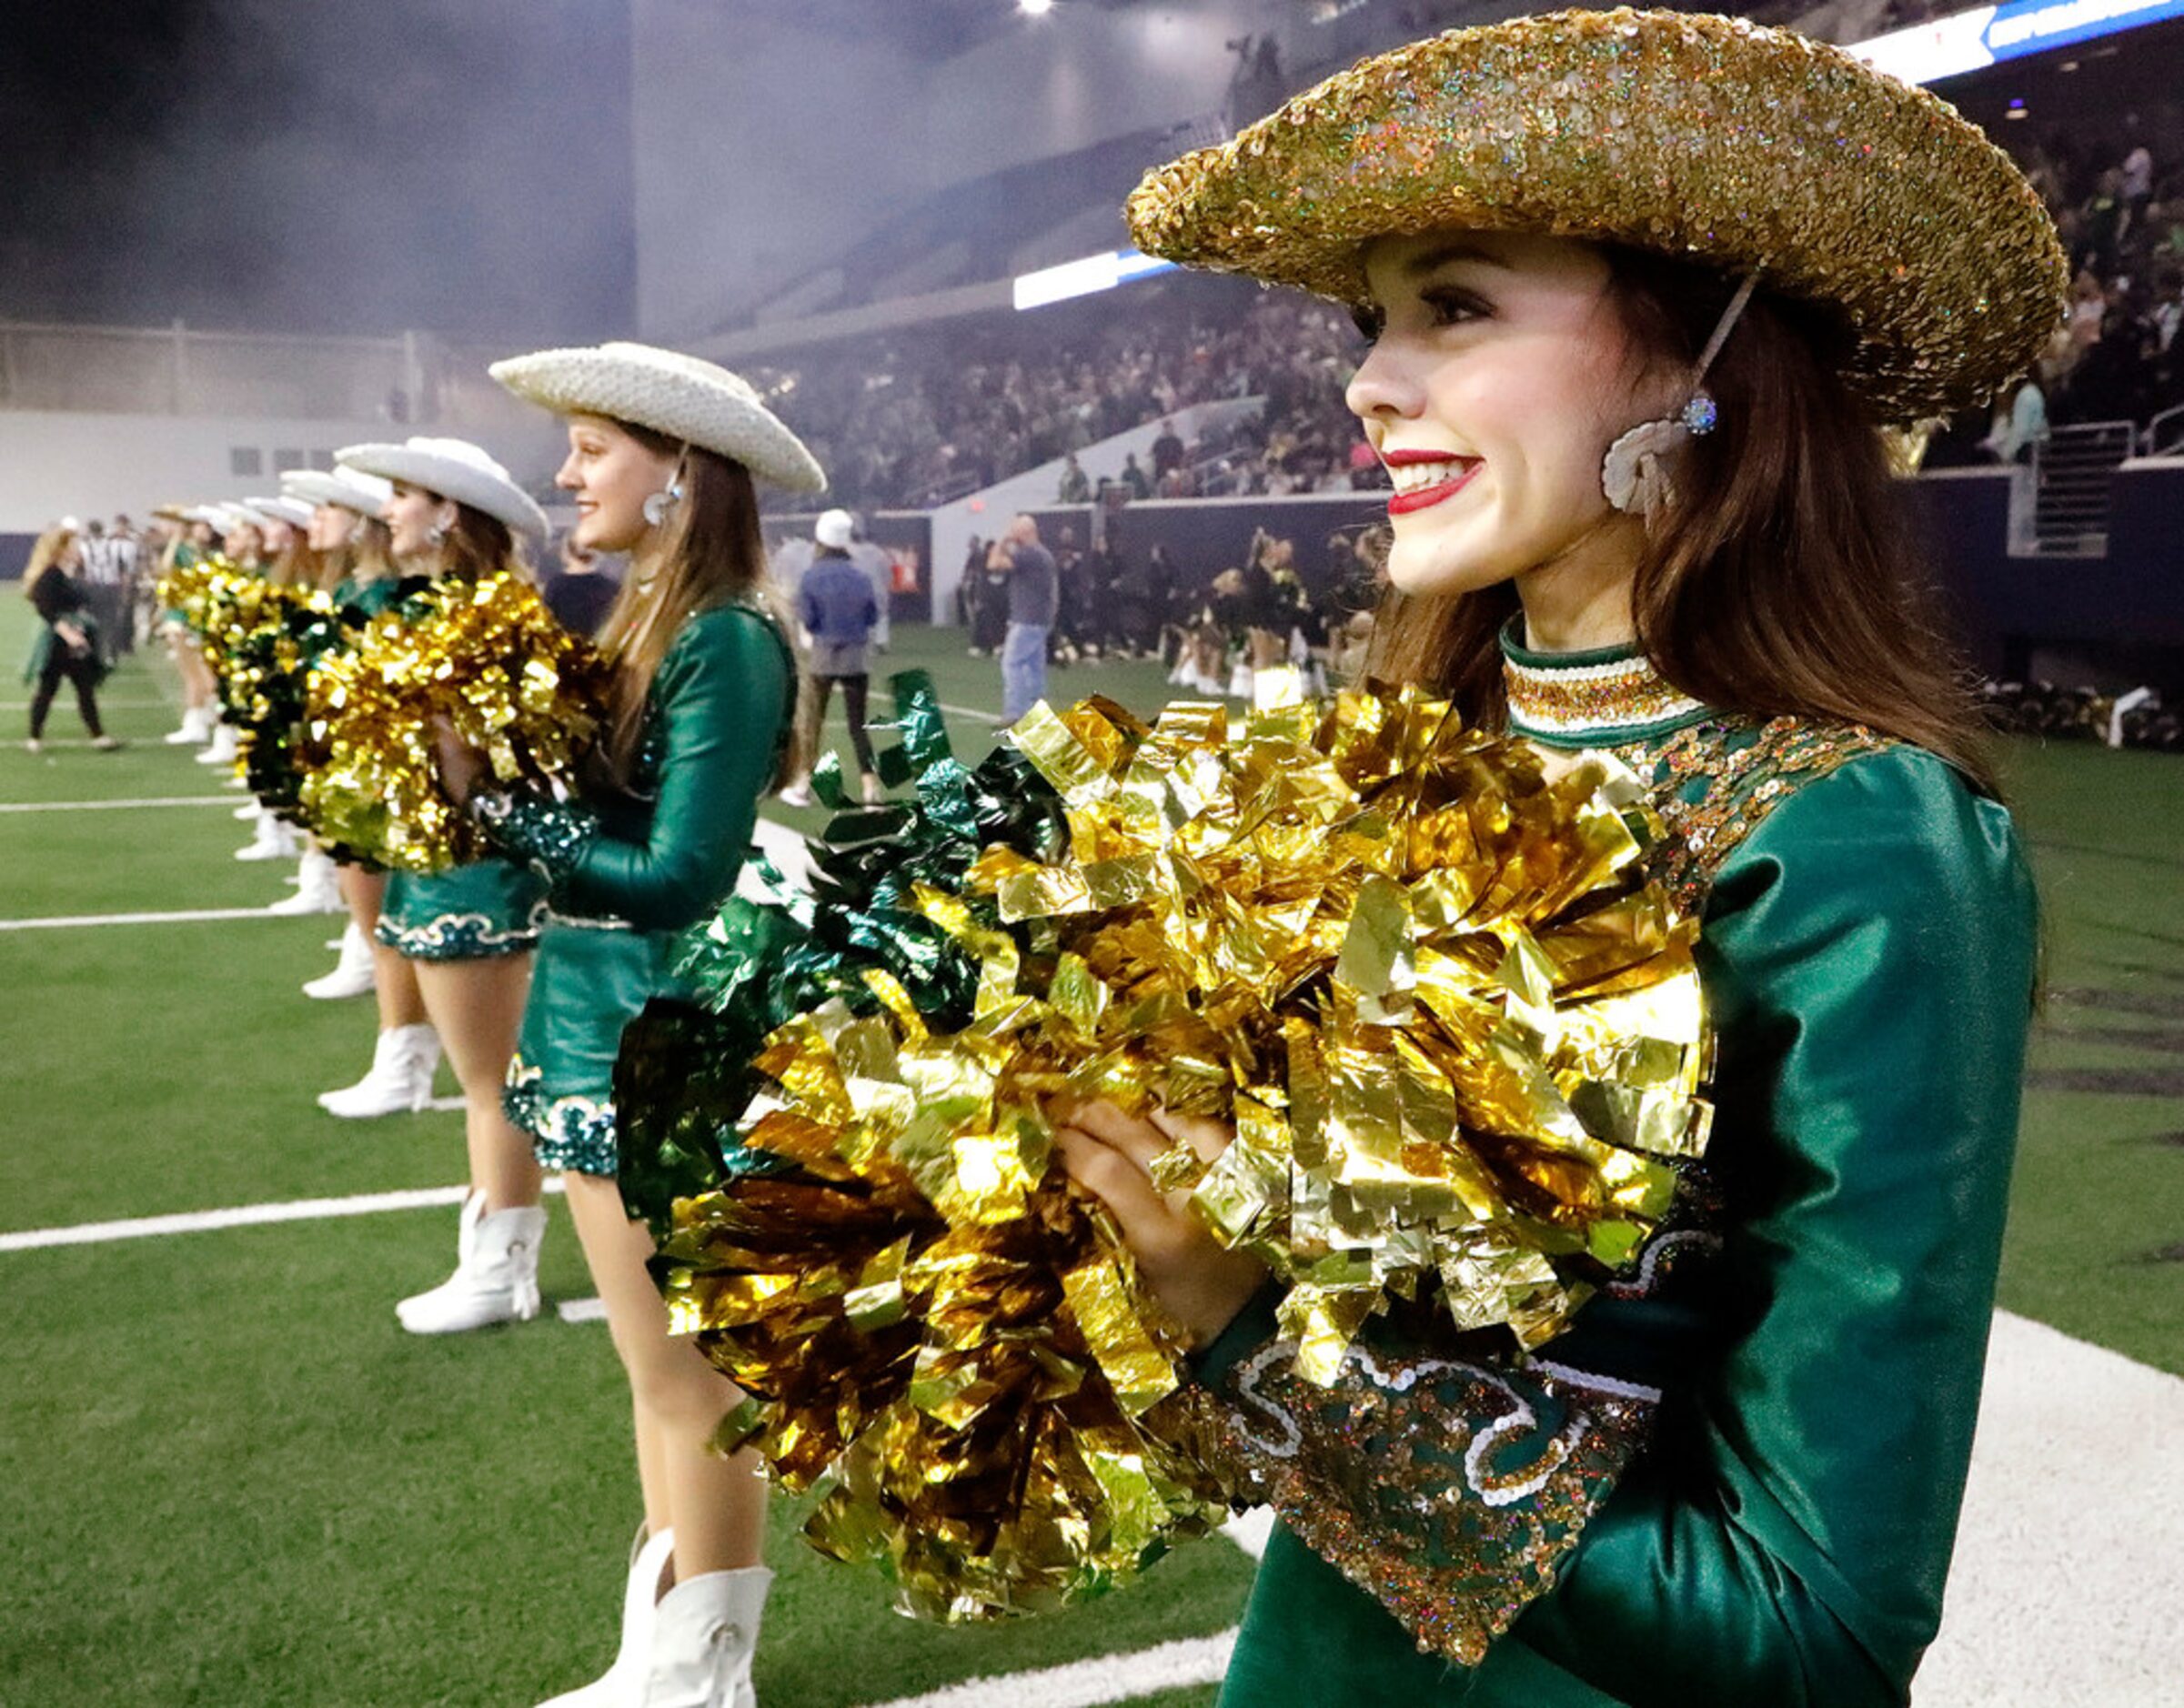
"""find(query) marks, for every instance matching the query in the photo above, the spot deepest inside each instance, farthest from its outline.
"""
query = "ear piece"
(657, 505)
(1633, 475)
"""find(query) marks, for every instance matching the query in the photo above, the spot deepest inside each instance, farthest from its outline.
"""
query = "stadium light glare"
(1035, 8)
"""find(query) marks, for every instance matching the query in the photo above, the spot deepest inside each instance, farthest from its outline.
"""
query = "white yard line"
(117, 806)
(241, 1216)
(973, 713)
(191, 915)
(104, 705)
(1108, 1678)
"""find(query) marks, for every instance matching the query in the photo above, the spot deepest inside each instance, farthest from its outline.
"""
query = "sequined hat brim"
(1708, 137)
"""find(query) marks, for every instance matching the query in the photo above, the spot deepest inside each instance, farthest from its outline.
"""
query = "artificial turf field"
(231, 1479)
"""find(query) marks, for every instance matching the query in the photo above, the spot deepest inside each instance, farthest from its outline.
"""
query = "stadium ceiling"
(929, 31)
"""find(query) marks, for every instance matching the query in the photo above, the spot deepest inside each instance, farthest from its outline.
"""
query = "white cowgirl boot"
(404, 1059)
(704, 1632)
(353, 974)
(616, 1687)
(495, 1277)
(316, 891)
(272, 841)
(221, 749)
(196, 730)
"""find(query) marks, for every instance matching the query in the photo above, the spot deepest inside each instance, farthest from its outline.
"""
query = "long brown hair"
(708, 550)
(1785, 578)
(369, 555)
(478, 546)
(301, 564)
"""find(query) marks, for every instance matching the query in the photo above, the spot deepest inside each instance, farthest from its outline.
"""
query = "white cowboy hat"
(455, 469)
(348, 488)
(684, 396)
(227, 518)
(836, 528)
(292, 511)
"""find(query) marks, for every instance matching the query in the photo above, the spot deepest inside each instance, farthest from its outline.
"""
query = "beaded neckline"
(1600, 698)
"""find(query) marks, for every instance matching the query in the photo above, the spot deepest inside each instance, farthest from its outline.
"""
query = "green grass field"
(231, 1479)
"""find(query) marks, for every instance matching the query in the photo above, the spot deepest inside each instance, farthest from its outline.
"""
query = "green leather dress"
(1736, 1480)
(627, 871)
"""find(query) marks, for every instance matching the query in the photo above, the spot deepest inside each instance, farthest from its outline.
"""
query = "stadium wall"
(55, 463)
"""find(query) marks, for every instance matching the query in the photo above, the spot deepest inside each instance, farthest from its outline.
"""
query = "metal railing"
(178, 370)
(2164, 434)
(2073, 469)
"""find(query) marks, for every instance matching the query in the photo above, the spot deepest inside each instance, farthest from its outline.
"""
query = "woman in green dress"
(663, 450)
(190, 543)
(467, 934)
(1644, 289)
(359, 575)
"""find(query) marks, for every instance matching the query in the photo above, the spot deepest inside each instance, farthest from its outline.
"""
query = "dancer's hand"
(462, 764)
(1199, 1281)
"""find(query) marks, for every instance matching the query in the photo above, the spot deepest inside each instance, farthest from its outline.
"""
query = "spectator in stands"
(1028, 567)
(2024, 424)
(1070, 638)
(1168, 450)
(581, 591)
(839, 610)
(1134, 477)
(1076, 485)
(66, 648)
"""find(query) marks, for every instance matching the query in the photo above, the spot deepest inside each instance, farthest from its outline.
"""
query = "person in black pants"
(66, 648)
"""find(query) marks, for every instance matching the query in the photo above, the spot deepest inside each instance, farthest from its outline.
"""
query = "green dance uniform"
(630, 871)
(370, 597)
(474, 912)
(1736, 1479)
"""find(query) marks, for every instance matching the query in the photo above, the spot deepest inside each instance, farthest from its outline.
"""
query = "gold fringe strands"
(487, 659)
(1416, 968)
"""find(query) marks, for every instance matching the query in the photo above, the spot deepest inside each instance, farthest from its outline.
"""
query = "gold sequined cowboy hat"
(1712, 139)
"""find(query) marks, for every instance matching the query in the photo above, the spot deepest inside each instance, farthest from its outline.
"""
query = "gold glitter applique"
(1744, 773)
(1704, 138)
(1450, 1492)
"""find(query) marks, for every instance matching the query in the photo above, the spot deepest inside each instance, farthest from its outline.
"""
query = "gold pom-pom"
(487, 659)
(1418, 970)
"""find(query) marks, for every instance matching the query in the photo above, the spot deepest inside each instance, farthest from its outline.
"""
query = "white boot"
(704, 1632)
(404, 1059)
(221, 749)
(353, 974)
(318, 891)
(272, 841)
(495, 1277)
(196, 730)
(616, 1687)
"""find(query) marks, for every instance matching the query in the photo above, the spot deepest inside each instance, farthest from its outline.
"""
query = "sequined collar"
(1601, 699)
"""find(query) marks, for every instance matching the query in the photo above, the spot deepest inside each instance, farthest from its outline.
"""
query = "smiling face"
(1500, 374)
(609, 473)
(411, 515)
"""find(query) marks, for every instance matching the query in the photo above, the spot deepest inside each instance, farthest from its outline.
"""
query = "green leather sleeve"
(1870, 954)
(720, 696)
